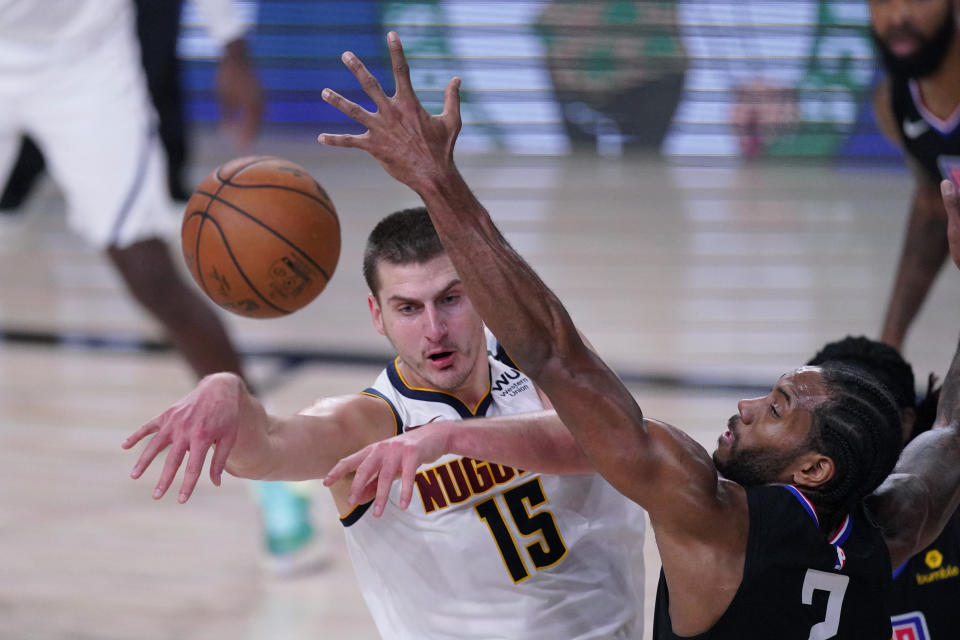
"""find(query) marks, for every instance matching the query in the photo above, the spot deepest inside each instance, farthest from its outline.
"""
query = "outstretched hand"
(412, 145)
(951, 202)
(201, 420)
(382, 462)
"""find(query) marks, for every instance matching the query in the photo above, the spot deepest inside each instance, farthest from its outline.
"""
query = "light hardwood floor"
(701, 276)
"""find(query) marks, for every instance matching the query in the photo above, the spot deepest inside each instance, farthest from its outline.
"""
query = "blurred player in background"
(485, 551)
(917, 106)
(71, 79)
(158, 29)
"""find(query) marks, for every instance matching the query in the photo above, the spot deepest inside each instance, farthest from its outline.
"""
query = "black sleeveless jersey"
(797, 584)
(925, 600)
(929, 140)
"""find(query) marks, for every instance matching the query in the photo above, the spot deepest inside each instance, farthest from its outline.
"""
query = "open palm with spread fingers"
(412, 145)
(377, 465)
(207, 418)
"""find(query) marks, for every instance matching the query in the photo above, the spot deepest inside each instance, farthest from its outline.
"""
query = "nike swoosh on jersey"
(914, 128)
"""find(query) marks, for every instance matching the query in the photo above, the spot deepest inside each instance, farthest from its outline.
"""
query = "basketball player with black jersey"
(917, 106)
(485, 550)
(781, 512)
(926, 589)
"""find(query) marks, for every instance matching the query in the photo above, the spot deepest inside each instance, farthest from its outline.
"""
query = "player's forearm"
(536, 330)
(535, 442)
(249, 455)
(520, 310)
(922, 256)
(934, 456)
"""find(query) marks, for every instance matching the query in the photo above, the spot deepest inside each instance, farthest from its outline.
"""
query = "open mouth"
(440, 357)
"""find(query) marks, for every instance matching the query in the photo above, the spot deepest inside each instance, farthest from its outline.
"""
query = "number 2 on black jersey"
(520, 500)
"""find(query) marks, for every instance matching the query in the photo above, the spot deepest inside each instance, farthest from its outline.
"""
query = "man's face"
(425, 313)
(766, 437)
(913, 36)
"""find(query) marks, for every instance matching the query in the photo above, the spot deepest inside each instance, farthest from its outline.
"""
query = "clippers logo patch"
(909, 626)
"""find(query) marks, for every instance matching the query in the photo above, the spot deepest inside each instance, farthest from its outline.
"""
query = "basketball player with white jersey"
(484, 550)
(71, 79)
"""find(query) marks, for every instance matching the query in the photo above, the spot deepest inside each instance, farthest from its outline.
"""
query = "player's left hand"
(382, 462)
(241, 98)
(951, 202)
(413, 146)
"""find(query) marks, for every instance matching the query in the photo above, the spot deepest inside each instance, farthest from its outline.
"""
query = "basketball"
(261, 237)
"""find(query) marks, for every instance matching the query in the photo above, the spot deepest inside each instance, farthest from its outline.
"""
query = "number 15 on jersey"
(539, 536)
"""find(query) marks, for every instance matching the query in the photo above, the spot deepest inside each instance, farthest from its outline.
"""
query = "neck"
(940, 90)
(470, 393)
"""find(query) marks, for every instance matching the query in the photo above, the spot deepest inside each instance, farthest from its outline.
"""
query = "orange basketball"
(261, 237)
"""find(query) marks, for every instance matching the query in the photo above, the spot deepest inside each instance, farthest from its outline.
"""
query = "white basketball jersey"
(486, 551)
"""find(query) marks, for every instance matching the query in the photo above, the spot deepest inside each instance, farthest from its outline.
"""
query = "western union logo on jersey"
(510, 383)
(455, 481)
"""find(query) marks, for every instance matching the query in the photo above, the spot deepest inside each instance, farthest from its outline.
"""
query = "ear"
(812, 469)
(375, 313)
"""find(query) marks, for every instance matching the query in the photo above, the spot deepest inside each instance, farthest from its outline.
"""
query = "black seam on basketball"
(305, 256)
(323, 203)
(196, 249)
(226, 245)
(254, 161)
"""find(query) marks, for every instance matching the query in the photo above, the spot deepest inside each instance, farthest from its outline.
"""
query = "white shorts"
(92, 118)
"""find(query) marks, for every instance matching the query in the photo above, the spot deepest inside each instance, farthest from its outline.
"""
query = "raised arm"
(915, 502)
(220, 414)
(653, 464)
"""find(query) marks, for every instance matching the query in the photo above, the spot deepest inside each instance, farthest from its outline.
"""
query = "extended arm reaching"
(220, 414)
(535, 442)
(652, 463)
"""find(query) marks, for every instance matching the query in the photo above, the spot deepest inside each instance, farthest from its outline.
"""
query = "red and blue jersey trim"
(838, 538)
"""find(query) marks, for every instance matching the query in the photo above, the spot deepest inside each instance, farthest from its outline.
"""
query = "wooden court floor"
(697, 284)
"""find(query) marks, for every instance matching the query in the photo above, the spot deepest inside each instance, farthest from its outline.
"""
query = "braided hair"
(858, 427)
(880, 360)
(887, 365)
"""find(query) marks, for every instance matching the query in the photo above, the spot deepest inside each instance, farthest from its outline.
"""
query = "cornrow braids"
(880, 360)
(403, 237)
(858, 427)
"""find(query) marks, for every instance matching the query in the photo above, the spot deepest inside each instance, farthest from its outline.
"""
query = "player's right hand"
(382, 462)
(204, 418)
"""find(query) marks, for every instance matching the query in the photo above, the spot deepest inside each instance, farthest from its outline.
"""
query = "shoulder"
(899, 507)
(357, 412)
